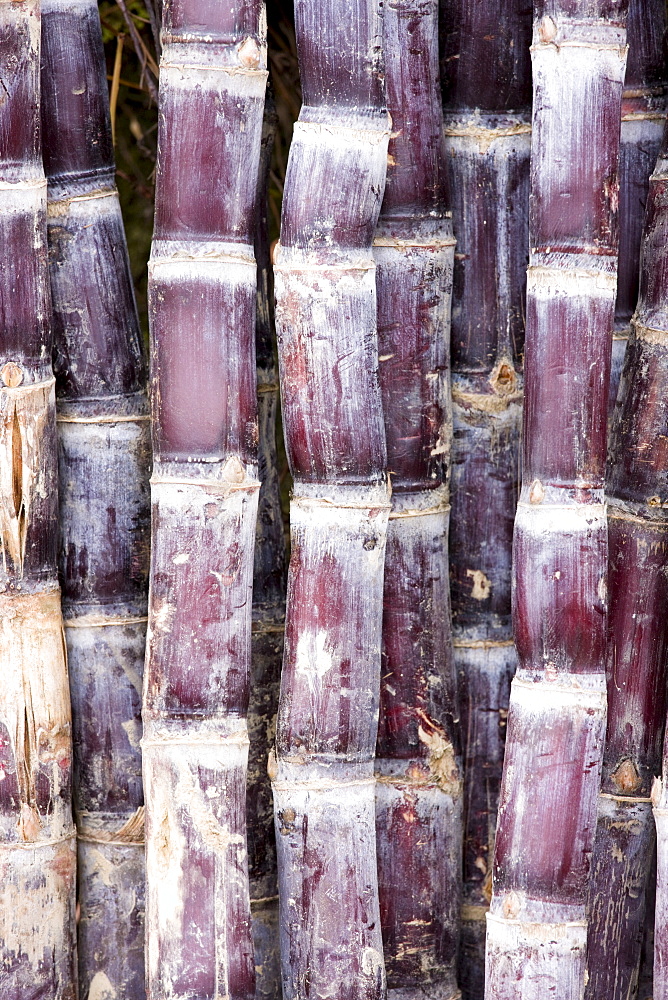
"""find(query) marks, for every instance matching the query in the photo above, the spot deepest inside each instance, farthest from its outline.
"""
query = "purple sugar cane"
(418, 766)
(323, 775)
(643, 473)
(634, 731)
(37, 836)
(488, 142)
(643, 115)
(536, 928)
(104, 454)
(636, 656)
(202, 304)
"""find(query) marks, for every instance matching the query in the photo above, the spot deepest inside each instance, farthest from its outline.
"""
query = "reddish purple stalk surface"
(418, 765)
(536, 928)
(488, 142)
(331, 944)
(202, 301)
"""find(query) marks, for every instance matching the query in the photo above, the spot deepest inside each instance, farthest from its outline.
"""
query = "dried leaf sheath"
(418, 767)
(536, 928)
(331, 944)
(202, 291)
(488, 142)
(37, 842)
(104, 453)
(643, 115)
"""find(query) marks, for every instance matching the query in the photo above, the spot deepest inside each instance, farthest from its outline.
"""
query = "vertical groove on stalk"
(418, 766)
(202, 304)
(646, 970)
(323, 778)
(641, 477)
(488, 142)
(37, 837)
(268, 612)
(104, 455)
(536, 927)
(643, 115)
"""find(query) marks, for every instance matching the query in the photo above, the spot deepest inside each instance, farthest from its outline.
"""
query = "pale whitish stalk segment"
(197, 822)
(309, 300)
(37, 841)
(660, 810)
(556, 723)
(660, 803)
(202, 298)
(37, 845)
(311, 803)
(195, 756)
(36, 717)
(536, 956)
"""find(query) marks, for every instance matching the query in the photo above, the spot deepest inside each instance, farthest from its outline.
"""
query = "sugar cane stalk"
(536, 928)
(37, 837)
(418, 770)
(268, 612)
(637, 649)
(331, 943)
(637, 586)
(487, 136)
(643, 115)
(104, 454)
(646, 482)
(202, 291)
(621, 873)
